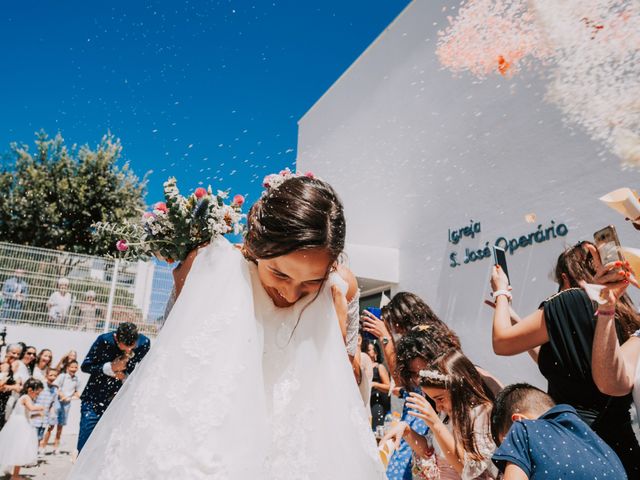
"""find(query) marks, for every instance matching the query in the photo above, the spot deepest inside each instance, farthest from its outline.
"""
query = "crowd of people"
(457, 420)
(36, 393)
(460, 421)
(35, 399)
(62, 308)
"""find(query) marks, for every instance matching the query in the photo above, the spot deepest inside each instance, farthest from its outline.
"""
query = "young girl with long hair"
(18, 438)
(70, 356)
(42, 364)
(459, 442)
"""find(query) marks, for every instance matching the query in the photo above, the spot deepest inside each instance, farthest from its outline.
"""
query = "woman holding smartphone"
(564, 327)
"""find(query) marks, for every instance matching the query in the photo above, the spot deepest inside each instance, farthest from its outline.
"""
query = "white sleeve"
(482, 437)
(353, 324)
(107, 370)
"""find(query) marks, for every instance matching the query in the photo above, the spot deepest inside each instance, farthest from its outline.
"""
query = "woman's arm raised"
(612, 365)
(509, 339)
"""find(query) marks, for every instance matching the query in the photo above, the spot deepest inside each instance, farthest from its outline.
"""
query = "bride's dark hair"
(302, 213)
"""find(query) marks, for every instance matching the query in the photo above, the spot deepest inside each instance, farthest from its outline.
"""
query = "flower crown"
(434, 375)
(273, 181)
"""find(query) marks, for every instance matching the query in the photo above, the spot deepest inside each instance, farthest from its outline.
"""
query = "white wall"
(414, 151)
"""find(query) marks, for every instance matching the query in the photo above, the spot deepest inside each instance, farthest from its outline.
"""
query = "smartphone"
(500, 258)
(377, 312)
(608, 245)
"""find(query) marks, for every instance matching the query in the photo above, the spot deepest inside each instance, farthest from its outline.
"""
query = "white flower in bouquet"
(177, 226)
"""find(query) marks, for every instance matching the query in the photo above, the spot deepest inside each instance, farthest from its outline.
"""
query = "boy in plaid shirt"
(48, 398)
(68, 389)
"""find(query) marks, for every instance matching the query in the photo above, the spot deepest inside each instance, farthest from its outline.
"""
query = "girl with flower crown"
(273, 396)
(459, 443)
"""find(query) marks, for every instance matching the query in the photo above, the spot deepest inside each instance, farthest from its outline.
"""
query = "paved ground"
(52, 467)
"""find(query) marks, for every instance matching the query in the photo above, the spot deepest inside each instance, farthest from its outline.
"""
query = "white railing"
(102, 292)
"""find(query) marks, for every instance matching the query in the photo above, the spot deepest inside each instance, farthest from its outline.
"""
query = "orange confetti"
(503, 65)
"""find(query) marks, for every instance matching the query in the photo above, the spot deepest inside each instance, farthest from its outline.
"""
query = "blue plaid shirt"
(48, 398)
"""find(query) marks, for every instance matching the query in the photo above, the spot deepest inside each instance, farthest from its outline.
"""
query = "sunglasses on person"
(30, 353)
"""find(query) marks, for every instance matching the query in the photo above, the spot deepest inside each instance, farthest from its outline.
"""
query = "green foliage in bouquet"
(176, 226)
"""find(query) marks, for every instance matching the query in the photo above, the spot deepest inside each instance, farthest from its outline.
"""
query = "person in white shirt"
(59, 302)
(43, 363)
(68, 389)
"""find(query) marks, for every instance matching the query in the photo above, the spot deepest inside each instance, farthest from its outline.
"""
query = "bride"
(249, 378)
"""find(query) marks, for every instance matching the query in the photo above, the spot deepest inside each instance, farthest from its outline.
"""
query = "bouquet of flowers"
(176, 226)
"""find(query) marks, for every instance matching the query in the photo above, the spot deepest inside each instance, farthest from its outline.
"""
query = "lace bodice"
(484, 468)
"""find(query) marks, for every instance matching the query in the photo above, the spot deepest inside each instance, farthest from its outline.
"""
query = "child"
(459, 444)
(47, 399)
(543, 440)
(68, 389)
(18, 438)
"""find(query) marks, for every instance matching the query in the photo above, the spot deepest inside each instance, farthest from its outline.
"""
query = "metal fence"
(62, 290)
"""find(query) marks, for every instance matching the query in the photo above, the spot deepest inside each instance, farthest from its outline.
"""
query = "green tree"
(51, 198)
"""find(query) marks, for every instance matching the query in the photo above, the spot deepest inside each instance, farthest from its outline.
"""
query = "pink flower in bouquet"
(161, 207)
(238, 200)
(122, 246)
(310, 175)
(200, 192)
(148, 215)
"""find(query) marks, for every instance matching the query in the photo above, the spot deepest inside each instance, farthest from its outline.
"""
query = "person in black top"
(380, 401)
(8, 384)
(564, 327)
(111, 359)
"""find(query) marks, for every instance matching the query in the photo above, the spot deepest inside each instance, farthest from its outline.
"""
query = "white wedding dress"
(231, 390)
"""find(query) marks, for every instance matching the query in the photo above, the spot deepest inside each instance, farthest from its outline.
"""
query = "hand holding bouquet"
(177, 226)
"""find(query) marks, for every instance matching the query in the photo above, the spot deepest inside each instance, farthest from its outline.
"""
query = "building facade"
(435, 169)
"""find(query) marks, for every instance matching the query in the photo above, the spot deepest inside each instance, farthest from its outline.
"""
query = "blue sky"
(207, 91)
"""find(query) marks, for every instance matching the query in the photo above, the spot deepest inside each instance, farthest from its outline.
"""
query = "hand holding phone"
(372, 324)
(608, 245)
(500, 259)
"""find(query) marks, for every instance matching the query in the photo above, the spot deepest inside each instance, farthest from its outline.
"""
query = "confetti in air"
(596, 78)
(589, 50)
(489, 36)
